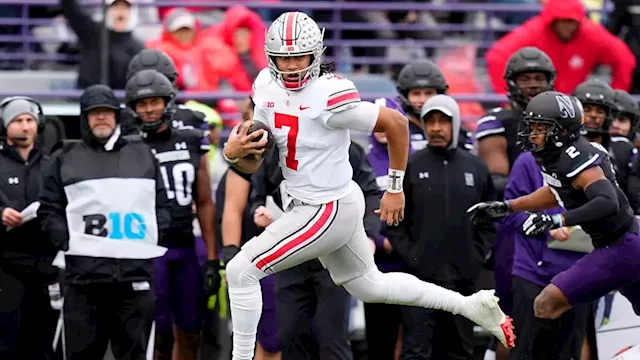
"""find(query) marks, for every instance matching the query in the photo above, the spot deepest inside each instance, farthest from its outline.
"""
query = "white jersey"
(314, 157)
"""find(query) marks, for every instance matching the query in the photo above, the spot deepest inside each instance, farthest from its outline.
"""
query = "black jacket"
(436, 238)
(76, 155)
(122, 47)
(26, 251)
(267, 181)
(623, 155)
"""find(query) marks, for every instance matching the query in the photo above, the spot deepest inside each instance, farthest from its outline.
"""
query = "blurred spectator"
(534, 265)
(625, 22)
(458, 66)
(244, 31)
(122, 45)
(436, 239)
(202, 60)
(230, 113)
(575, 44)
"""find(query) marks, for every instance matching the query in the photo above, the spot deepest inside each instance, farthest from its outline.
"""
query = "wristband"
(396, 177)
(230, 161)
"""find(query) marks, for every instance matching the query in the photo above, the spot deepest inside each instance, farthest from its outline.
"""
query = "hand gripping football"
(258, 125)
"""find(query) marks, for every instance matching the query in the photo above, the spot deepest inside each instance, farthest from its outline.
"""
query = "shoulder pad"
(263, 79)
(579, 157)
(339, 93)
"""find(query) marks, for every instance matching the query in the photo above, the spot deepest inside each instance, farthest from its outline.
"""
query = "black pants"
(27, 321)
(435, 334)
(382, 326)
(97, 313)
(312, 313)
(538, 339)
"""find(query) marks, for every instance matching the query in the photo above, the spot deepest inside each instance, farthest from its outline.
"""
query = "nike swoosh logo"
(304, 107)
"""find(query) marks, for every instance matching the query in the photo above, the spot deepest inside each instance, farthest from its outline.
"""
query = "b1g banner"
(617, 329)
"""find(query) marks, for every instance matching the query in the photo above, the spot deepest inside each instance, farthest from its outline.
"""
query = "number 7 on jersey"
(292, 123)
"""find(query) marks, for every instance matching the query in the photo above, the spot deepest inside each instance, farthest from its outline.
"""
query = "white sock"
(246, 309)
(245, 296)
(404, 289)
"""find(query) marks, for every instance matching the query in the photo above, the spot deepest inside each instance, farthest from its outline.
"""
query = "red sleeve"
(615, 53)
(502, 49)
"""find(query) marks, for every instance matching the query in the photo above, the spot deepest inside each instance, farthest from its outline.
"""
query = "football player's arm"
(492, 148)
(369, 117)
(205, 209)
(602, 196)
(241, 152)
(539, 200)
(53, 201)
(235, 201)
(400, 236)
(522, 182)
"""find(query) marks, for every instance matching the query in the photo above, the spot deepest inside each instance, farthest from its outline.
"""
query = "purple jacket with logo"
(532, 259)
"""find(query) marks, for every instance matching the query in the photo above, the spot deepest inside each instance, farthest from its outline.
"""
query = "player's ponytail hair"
(327, 67)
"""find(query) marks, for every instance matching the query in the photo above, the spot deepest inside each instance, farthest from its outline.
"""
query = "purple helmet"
(391, 104)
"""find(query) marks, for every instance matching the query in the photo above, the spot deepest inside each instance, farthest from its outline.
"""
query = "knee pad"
(371, 287)
(242, 273)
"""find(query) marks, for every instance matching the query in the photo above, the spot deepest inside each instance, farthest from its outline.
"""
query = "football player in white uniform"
(310, 111)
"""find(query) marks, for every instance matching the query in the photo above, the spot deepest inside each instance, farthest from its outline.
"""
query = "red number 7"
(292, 122)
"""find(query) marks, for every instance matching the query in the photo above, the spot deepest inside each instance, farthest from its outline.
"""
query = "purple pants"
(268, 326)
(178, 283)
(604, 270)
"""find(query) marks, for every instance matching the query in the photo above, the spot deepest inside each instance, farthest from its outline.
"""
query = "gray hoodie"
(448, 106)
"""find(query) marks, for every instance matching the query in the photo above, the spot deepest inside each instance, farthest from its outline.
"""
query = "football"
(257, 125)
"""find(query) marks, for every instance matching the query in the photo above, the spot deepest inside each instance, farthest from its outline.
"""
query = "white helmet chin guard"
(294, 34)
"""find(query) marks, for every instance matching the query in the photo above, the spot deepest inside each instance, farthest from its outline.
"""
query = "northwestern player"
(310, 112)
(529, 72)
(417, 82)
(183, 164)
(183, 117)
(581, 179)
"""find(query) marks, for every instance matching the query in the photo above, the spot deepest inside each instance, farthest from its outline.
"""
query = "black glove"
(228, 252)
(538, 224)
(488, 211)
(212, 278)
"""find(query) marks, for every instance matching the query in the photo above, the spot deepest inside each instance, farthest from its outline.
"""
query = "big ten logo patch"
(116, 225)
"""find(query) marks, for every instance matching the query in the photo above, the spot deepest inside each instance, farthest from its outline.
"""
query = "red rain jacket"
(592, 45)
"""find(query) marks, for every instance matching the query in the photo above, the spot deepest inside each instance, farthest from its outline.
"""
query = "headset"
(41, 118)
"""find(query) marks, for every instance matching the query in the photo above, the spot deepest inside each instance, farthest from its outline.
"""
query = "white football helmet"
(294, 34)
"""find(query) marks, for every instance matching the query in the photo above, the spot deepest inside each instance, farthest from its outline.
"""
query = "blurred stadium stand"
(29, 45)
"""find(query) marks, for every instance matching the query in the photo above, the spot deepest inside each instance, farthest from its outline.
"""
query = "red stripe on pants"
(309, 234)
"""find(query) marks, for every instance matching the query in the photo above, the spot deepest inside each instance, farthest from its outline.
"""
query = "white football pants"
(334, 234)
